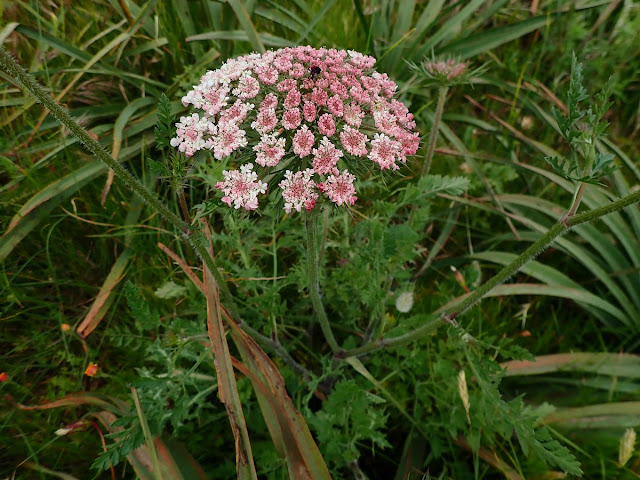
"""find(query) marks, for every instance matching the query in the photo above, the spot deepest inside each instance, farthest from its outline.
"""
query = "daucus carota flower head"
(446, 71)
(310, 112)
(449, 69)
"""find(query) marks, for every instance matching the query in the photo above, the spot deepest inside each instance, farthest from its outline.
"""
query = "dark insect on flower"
(315, 70)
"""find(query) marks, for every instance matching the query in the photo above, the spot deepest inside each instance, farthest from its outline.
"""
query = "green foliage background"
(493, 194)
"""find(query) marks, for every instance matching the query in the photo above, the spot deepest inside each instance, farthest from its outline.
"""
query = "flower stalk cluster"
(313, 113)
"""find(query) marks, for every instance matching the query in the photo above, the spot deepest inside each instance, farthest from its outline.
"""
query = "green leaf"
(38, 207)
(487, 40)
(548, 449)
(349, 417)
(122, 121)
(245, 20)
(431, 185)
(139, 307)
(171, 290)
(613, 364)
(164, 125)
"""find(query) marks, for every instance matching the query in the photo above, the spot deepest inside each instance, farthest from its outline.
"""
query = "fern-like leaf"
(164, 127)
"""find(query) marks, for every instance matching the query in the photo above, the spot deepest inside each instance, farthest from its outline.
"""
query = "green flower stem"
(195, 237)
(183, 205)
(421, 331)
(311, 224)
(578, 194)
(530, 253)
(433, 137)
(575, 201)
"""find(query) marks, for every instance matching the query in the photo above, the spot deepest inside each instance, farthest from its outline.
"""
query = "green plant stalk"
(311, 224)
(577, 196)
(472, 299)
(157, 473)
(183, 205)
(195, 237)
(575, 201)
(408, 337)
(433, 137)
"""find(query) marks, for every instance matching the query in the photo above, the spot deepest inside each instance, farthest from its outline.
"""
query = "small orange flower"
(4, 376)
(65, 327)
(91, 370)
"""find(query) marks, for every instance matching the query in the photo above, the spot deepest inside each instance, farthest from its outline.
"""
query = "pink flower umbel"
(303, 141)
(339, 188)
(91, 370)
(298, 190)
(282, 106)
(241, 188)
(385, 151)
(326, 125)
(325, 157)
(269, 151)
(353, 141)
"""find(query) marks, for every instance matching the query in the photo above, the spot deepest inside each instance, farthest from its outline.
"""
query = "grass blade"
(303, 457)
(104, 299)
(325, 8)
(101, 401)
(449, 27)
(247, 25)
(227, 386)
(613, 364)
(603, 415)
(484, 41)
(574, 294)
(537, 270)
(241, 36)
(288, 429)
(38, 207)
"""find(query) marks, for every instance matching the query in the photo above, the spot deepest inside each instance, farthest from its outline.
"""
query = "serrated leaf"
(171, 290)
(139, 307)
(431, 185)
(164, 128)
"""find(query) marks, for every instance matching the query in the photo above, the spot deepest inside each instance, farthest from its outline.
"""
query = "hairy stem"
(433, 137)
(195, 237)
(449, 316)
(183, 205)
(311, 224)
